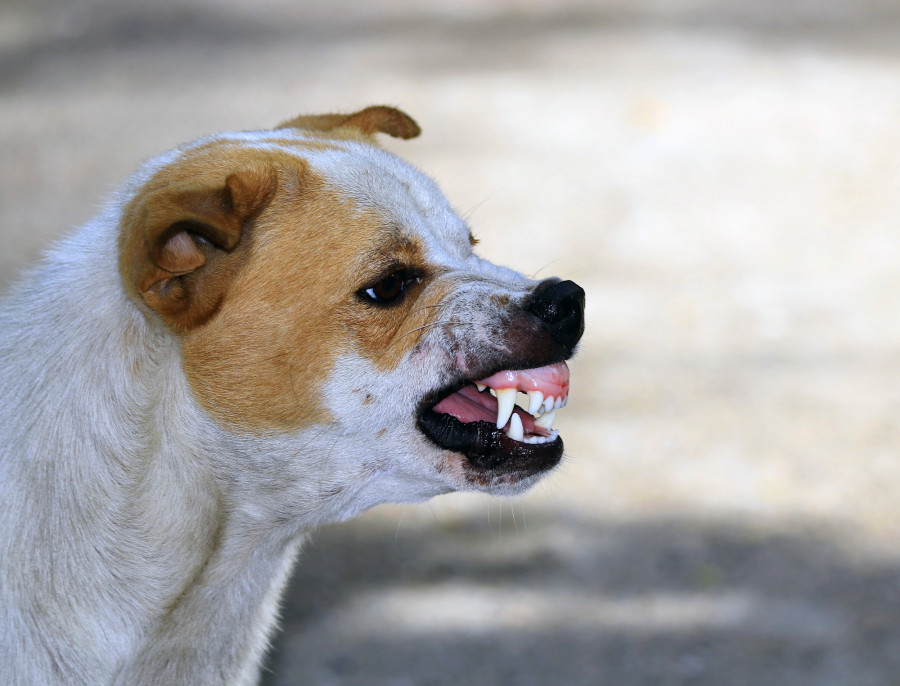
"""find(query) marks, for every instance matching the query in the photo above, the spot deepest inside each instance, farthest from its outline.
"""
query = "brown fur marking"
(371, 120)
(293, 309)
(268, 299)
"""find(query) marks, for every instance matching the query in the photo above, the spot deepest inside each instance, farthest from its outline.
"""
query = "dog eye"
(388, 289)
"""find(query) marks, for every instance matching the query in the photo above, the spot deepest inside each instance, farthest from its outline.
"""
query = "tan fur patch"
(262, 361)
(287, 295)
(371, 120)
(164, 194)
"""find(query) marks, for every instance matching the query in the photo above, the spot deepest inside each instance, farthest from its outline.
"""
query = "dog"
(262, 332)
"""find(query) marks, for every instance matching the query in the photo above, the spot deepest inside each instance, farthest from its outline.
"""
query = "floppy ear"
(375, 119)
(184, 242)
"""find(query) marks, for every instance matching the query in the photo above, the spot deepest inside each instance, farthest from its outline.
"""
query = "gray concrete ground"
(724, 180)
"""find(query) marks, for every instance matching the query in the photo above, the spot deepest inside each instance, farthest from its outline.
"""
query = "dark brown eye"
(387, 289)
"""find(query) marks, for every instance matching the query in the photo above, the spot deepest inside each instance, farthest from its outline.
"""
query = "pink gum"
(552, 380)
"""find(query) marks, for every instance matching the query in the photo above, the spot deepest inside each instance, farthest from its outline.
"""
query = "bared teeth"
(506, 401)
(545, 421)
(535, 401)
(505, 387)
(516, 431)
(543, 439)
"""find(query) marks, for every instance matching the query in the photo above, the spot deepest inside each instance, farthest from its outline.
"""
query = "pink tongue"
(470, 405)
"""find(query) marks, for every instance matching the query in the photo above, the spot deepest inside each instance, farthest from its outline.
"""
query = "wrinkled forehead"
(408, 202)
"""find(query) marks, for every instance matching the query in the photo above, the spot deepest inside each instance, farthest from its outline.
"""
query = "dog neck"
(137, 473)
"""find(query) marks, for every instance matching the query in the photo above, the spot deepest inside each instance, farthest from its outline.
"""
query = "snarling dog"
(262, 332)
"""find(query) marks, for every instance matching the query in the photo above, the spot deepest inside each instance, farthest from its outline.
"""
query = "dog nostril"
(560, 304)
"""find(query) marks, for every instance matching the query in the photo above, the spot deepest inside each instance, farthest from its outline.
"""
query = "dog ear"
(375, 119)
(185, 242)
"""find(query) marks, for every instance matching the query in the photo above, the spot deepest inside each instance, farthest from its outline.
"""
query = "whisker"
(468, 214)
(551, 262)
(425, 307)
(425, 326)
(399, 523)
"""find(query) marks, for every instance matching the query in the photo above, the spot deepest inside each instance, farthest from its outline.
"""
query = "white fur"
(141, 542)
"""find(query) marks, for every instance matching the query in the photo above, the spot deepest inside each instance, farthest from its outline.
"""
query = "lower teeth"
(536, 440)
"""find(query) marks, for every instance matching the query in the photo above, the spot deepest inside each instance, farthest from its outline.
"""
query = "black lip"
(486, 447)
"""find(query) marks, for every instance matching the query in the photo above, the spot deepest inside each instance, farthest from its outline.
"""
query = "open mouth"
(504, 421)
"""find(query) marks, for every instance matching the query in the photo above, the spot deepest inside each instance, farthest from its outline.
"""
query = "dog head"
(328, 304)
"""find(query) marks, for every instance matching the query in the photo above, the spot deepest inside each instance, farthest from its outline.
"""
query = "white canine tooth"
(558, 403)
(480, 387)
(565, 401)
(516, 431)
(535, 401)
(545, 421)
(506, 401)
(548, 403)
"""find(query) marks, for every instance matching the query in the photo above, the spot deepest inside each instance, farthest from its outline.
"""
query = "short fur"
(190, 384)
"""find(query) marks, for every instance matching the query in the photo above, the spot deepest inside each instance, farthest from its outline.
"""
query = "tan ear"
(375, 119)
(183, 246)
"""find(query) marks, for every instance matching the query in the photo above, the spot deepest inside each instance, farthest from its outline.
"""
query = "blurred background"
(723, 178)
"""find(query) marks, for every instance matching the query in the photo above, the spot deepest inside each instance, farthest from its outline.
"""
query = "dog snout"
(560, 305)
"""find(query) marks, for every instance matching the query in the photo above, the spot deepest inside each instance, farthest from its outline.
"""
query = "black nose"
(561, 305)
